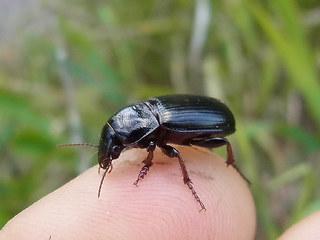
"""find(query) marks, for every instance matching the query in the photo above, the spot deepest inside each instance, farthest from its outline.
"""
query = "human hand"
(162, 207)
(307, 228)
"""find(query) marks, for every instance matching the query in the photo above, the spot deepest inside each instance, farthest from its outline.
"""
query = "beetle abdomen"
(188, 113)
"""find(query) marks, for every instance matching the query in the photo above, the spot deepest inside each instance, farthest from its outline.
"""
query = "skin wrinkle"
(136, 215)
(71, 223)
(161, 208)
(222, 204)
(179, 219)
(134, 211)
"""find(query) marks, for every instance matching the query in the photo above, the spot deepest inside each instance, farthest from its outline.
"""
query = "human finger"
(162, 207)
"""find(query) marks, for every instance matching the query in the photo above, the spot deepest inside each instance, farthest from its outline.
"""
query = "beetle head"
(110, 147)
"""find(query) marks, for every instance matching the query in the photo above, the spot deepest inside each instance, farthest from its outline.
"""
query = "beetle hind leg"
(148, 163)
(218, 142)
(172, 152)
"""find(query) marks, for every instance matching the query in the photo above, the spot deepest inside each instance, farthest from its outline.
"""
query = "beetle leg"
(218, 142)
(172, 152)
(148, 163)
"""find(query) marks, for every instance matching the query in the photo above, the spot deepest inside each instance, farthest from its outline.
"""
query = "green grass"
(259, 56)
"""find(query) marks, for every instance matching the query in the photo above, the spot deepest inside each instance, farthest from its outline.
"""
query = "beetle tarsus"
(141, 175)
(148, 163)
(194, 193)
(172, 152)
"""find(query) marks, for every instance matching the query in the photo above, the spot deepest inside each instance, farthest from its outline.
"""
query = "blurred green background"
(67, 66)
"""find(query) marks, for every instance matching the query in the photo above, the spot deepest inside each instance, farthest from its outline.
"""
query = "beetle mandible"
(164, 120)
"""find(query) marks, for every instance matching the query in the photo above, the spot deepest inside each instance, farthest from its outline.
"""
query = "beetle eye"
(116, 149)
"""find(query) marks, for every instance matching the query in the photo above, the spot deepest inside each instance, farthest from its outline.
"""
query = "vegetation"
(61, 80)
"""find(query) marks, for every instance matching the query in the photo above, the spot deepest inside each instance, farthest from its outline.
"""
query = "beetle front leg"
(218, 142)
(172, 152)
(148, 163)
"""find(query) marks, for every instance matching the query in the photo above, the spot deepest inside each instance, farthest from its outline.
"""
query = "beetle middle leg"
(172, 152)
(148, 163)
(218, 142)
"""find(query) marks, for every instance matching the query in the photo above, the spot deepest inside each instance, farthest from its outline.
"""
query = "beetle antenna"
(103, 177)
(101, 182)
(77, 144)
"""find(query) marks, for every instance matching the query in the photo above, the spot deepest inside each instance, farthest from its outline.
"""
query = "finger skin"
(307, 228)
(161, 207)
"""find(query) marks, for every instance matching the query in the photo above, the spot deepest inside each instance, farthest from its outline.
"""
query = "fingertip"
(226, 195)
(307, 228)
(162, 207)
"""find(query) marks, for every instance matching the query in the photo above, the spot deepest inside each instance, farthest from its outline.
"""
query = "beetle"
(164, 120)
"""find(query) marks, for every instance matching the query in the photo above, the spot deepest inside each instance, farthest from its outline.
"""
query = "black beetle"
(160, 121)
